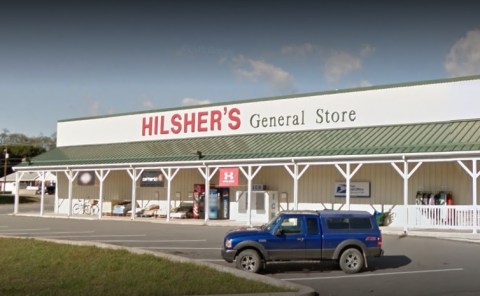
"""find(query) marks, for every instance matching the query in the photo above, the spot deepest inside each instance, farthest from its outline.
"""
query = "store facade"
(410, 151)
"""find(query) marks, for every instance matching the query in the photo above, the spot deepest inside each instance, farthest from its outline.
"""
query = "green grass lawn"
(31, 267)
(10, 198)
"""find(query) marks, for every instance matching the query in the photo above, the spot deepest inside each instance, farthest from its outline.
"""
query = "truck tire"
(351, 261)
(248, 260)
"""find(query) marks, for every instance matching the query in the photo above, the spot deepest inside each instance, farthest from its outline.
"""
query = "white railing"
(442, 217)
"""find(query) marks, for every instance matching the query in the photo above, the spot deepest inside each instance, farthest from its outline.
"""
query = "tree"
(17, 153)
(22, 147)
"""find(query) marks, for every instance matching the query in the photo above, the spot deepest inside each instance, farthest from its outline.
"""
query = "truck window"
(291, 225)
(360, 223)
(312, 226)
(349, 223)
(337, 223)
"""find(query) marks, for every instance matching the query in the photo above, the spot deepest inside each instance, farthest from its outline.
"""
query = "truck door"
(288, 240)
(313, 239)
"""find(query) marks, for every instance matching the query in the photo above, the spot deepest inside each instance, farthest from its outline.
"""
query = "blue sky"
(69, 59)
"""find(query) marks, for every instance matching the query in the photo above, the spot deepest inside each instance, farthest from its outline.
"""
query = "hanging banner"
(357, 189)
(151, 179)
(227, 177)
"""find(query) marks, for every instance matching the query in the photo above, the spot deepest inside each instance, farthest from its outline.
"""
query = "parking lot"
(411, 265)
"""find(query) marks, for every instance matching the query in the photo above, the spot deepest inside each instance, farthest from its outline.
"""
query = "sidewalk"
(450, 234)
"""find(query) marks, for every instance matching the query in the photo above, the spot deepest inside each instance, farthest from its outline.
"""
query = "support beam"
(296, 176)
(249, 175)
(405, 174)
(55, 202)
(71, 177)
(18, 178)
(101, 175)
(169, 175)
(42, 176)
(207, 175)
(474, 174)
(134, 176)
(347, 174)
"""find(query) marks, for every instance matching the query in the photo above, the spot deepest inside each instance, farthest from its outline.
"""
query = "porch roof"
(427, 138)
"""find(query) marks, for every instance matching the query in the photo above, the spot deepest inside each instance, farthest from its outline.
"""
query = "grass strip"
(10, 199)
(31, 267)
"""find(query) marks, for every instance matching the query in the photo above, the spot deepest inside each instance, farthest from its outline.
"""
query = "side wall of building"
(317, 185)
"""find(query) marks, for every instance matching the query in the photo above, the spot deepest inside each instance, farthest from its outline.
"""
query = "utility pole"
(5, 152)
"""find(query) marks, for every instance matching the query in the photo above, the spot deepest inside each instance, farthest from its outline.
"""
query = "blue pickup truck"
(348, 237)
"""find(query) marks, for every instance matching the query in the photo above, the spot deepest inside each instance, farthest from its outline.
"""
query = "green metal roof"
(457, 136)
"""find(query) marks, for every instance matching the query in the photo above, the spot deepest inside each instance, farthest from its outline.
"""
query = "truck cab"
(348, 237)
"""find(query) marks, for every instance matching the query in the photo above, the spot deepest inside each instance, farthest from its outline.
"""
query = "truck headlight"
(228, 243)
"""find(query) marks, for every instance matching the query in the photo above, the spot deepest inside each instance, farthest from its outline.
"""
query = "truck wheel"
(248, 260)
(351, 261)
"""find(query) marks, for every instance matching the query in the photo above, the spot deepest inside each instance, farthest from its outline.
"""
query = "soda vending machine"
(219, 203)
(225, 204)
(199, 201)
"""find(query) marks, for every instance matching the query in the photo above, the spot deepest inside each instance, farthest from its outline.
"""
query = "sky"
(71, 59)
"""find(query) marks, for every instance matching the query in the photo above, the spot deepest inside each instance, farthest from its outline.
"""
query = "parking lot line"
(373, 274)
(151, 241)
(178, 248)
(23, 230)
(95, 235)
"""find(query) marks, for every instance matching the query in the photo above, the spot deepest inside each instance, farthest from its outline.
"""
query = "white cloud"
(299, 50)
(147, 104)
(367, 50)
(365, 83)
(194, 102)
(464, 56)
(279, 80)
(93, 107)
(340, 64)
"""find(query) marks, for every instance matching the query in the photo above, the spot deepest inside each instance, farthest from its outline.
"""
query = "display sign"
(86, 178)
(227, 177)
(151, 179)
(357, 189)
(445, 101)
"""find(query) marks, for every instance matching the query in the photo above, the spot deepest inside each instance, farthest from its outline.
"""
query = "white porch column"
(405, 174)
(55, 202)
(169, 175)
(71, 177)
(101, 175)
(42, 191)
(296, 176)
(347, 174)
(249, 175)
(207, 175)
(18, 177)
(474, 173)
(134, 176)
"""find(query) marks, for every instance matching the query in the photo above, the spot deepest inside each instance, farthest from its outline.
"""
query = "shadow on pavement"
(375, 263)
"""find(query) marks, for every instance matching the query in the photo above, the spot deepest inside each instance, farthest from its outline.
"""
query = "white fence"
(442, 217)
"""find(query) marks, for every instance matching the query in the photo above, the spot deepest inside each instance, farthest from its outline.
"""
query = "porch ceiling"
(458, 136)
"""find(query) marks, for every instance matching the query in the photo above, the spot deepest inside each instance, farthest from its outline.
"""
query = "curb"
(300, 290)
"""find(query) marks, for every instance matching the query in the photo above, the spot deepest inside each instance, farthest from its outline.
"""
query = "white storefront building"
(410, 150)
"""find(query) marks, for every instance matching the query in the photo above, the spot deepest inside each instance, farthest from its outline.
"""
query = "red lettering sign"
(191, 122)
(228, 177)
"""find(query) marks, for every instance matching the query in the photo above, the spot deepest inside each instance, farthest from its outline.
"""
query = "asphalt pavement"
(272, 278)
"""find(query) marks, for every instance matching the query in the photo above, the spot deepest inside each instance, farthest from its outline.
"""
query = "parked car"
(182, 212)
(149, 211)
(122, 208)
(50, 189)
(346, 237)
